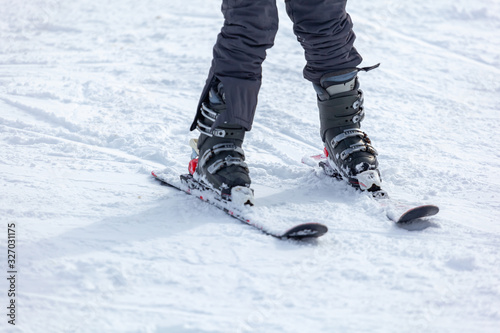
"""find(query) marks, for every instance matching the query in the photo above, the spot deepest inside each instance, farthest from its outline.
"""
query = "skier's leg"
(324, 29)
(249, 29)
(228, 102)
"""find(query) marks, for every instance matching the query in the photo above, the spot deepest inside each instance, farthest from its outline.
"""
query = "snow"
(96, 94)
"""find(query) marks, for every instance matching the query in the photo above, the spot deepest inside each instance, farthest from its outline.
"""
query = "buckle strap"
(358, 104)
(219, 148)
(228, 133)
(204, 129)
(205, 125)
(348, 133)
(208, 113)
(209, 117)
(366, 147)
(228, 161)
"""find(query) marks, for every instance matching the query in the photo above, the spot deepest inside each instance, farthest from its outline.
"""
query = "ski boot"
(348, 149)
(218, 161)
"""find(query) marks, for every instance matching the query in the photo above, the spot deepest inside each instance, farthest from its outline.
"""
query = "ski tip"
(418, 213)
(306, 230)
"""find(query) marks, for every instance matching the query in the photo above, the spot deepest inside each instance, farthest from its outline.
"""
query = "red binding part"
(192, 165)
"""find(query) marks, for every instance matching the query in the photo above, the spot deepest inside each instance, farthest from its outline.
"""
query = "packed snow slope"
(96, 94)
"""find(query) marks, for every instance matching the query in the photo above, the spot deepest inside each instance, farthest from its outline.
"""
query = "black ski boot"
(221, 167)
(348, 149)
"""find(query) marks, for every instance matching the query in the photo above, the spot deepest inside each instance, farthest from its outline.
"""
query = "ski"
(396, 210)
(402, 213)
(185, 183)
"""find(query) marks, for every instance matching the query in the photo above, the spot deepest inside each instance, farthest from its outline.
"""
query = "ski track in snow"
(94, 95)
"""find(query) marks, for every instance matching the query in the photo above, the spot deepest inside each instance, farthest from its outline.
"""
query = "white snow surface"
(96, 94)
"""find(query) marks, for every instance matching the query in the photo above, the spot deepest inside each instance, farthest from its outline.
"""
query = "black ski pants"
(322, 27)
